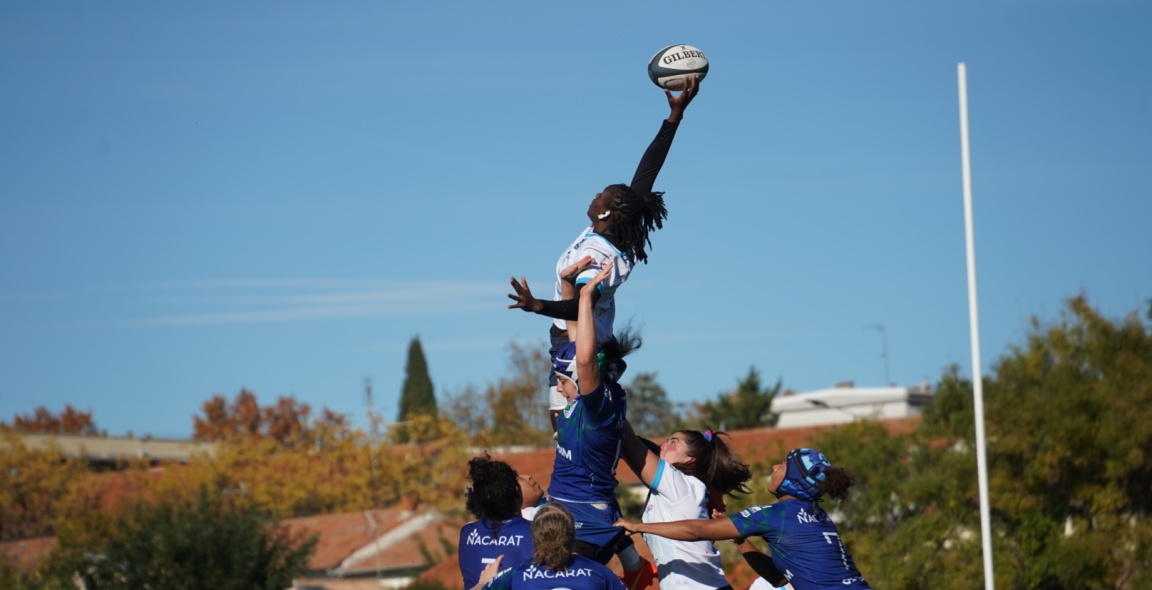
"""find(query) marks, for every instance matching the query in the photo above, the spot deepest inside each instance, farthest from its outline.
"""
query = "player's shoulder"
(594, 242)
(763, 511)
(691, 481)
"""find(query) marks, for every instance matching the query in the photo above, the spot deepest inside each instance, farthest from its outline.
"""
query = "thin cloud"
(461, 345)
(295, 300)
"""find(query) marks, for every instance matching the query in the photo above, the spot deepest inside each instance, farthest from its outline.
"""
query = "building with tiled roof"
(26, 554)
(384, 548)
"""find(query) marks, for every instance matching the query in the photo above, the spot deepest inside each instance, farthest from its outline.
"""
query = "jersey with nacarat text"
(480, 546)
(803, 543)
(581, 574)
(590, 243)
(589, 433)
(681, 565)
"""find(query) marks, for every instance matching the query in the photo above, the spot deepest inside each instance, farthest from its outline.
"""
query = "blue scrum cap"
(564, 363)
(804, 473)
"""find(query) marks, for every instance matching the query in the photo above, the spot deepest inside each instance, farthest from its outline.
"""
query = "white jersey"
(589, 243)
(762, 584)
(681, 565)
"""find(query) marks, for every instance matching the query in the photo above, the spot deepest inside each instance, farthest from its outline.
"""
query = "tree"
(287, 421)
(512, 411)
(747, 406)
(209, 542)
(417, 395)
(1069, 428)
(649, 410)
(43, 421)
(39, 487)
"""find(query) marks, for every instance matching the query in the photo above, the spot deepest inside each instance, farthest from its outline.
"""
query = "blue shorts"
(594, 526)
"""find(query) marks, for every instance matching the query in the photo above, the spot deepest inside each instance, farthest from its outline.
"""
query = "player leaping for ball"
(589, 434)
(622, 216)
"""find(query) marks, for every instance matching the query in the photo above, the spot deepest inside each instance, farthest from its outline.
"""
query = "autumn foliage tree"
(44, 421)
(39, 487)
(287, 421)
(512, 411)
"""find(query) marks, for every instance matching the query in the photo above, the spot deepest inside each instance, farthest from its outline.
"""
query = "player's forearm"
(681, 530)
(568, 308)
(586, 368)
(565, 309)
(653, 160)
(634, 452)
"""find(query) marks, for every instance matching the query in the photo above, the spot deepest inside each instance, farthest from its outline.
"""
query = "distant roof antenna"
(884, 354)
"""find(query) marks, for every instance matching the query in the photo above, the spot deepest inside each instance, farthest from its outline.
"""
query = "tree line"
(1068, 416)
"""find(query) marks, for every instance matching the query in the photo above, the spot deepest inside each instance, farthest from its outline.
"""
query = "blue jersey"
(803, 543)
(590, 432)
(581, 574)
(480, 547)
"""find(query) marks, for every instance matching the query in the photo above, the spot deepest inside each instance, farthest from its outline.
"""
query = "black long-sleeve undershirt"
(653, 159)
(566, 309)
(642, 182)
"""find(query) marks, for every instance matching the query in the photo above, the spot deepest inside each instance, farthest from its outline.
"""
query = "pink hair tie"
(708, 435)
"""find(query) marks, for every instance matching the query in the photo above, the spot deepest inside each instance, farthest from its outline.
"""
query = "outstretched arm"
(654, 156)
(565, 309)
(685, 530)
(639, 457)
(568, 307)
(587, 369)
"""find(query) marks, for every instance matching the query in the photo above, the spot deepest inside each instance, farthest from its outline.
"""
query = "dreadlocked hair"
(837, 482)
(624, 342)
(714, 463)
(634, 216)
(495, 492)
(553, 537)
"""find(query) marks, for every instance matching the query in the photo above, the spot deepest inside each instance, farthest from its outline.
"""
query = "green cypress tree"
(418, 395)
(747, 406)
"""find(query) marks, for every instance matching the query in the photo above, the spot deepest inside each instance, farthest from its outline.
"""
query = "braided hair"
(634, 216)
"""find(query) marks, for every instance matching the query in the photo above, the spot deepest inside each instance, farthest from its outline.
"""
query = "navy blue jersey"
(581, 574)
(803, 543)
(589, 434)
(479, 547)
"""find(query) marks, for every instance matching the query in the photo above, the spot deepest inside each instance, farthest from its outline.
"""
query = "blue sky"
(200, 197)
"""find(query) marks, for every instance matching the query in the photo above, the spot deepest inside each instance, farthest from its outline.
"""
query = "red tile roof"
(26, 554)
(407, 539)
(751, 445)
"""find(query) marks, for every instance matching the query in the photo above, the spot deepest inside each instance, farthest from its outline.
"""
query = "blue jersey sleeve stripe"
(659, 474)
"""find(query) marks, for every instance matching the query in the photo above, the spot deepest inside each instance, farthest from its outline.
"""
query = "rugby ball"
(671, 66)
